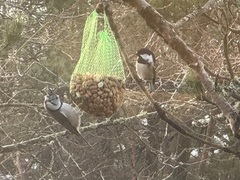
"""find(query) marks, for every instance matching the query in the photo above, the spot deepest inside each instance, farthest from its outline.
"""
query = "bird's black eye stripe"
(52, 97)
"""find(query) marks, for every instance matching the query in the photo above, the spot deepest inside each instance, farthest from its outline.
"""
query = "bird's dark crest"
(144, 51)
(49, 91)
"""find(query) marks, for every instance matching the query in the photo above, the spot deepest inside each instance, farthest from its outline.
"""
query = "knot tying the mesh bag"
(97, 80)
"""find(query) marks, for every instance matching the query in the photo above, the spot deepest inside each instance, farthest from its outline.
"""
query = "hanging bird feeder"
(97, 82)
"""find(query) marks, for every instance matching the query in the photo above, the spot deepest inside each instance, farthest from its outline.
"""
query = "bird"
(145, 67)
(63, 112)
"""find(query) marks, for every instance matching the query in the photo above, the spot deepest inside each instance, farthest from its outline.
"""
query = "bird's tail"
(152, 87)
(80, 135)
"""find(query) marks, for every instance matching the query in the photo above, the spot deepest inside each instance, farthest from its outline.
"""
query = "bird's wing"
(154, 75)
(71, 114)
(61, 118)
(154, 58)
(64, 122)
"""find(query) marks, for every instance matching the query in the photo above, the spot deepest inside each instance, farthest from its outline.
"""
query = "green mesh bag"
(99, 52)
(97, 81)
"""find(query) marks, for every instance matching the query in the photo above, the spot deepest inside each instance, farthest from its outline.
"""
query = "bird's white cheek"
(150, 59)
(147, 57)
(50, 106)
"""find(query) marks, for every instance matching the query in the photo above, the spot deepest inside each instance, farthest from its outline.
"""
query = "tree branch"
(211, 4)
(173, 121)
(4, 105)
(234, 30)
(180, 127)
(166, 30)
(229, 65)
(47, 138)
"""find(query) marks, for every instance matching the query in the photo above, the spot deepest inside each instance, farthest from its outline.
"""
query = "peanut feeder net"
(97, 81)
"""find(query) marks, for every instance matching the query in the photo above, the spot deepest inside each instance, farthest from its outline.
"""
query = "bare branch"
(166, 30)
(234, 30)
(211, 4)
(41, 139)
(4, 105)
(25, 144)
(229, 65)
(215, 75)
(211, 19)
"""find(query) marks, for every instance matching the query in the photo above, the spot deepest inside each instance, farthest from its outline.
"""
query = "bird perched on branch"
(145, 67)
(62, 112)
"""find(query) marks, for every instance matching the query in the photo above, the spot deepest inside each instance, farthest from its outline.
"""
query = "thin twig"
(229, 65)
